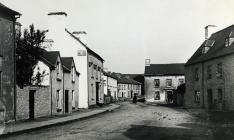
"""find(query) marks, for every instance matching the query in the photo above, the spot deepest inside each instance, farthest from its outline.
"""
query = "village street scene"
(116, 70)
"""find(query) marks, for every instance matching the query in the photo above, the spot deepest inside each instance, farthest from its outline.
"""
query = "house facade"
(110, 85)
(7, 64)
(161, 81)
(71, 84)
(209, 73)
(89, 63)
(46, 95)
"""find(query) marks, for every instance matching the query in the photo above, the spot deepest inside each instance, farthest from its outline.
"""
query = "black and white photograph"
(116, 70)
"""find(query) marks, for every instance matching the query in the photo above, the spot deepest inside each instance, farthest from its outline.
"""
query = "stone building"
(110, 85)
(89, 63)
(127, 87)
(46, 95)
(71, 84)
(7, 63)
(210, 73)
(161, 81)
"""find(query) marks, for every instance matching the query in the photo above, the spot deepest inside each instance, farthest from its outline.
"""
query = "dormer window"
(58, 68)
(208, 45)
(73, 74)
(230, 39)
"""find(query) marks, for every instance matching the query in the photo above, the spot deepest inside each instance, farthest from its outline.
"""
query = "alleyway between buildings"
(142, 122)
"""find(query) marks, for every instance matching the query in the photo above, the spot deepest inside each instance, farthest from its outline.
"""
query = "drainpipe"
(64, 96)
(203, 90)
(51, 100)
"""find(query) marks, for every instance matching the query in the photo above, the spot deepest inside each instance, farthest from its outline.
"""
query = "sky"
(126, 32)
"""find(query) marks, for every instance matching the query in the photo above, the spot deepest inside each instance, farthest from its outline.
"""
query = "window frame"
(169, 81)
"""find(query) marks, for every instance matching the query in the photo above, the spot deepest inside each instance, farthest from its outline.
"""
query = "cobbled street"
(140, 122)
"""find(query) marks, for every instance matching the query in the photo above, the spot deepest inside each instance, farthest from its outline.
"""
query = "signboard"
(81, 53)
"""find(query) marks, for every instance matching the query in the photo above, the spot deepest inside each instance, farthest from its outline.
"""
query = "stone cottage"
(161, 81)
(7, 63)
(71, 84)
(210, 73)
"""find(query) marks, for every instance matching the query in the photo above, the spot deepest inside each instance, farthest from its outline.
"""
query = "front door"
(31, 104)
(210, 98)
(170, 97)
(97, 93)
(66, 101)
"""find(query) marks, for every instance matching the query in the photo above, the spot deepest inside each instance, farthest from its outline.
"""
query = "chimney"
(147, 62)
(57, 23)
(81, 35)
(206, 31)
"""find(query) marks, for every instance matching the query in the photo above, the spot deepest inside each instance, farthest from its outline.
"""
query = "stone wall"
(226, 83)
(42, 102)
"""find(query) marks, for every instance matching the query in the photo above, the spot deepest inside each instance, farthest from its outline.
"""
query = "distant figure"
(134, 99)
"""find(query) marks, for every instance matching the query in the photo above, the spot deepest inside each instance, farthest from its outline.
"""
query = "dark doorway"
(66, 101)
(170, 97)
(31, 104)
(210, 98)
(131, 93)
(97, 93)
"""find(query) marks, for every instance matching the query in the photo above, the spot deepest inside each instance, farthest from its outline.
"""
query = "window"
(73, 74)
(156, 83)
(57, 98)
(196, 74)
(181, 81)
(219, 70)
(197, 96)
(226, 42)
(209, 72)
(157, 95)
(169, 82)
(220, 95)
(58, 67)
(90, 64)
(73, 99)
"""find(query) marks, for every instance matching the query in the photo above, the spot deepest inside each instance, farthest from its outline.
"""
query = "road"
(139, 122)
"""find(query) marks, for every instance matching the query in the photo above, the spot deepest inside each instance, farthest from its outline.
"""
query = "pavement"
(26, 126)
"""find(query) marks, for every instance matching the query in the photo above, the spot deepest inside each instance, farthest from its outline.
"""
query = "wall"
(41, 102)
(7, 67)
(95, 76)
(226, 83)
(150, 88)
(112, 86)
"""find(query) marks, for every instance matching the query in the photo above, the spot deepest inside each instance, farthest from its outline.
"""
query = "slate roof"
(6, 9)
(164, 69)
(124, 80)
(88, 49)
(50, 57)
(108, 74)
(217, 50)
(67, 63)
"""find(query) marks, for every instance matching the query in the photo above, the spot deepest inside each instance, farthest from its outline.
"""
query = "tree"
(28, 49)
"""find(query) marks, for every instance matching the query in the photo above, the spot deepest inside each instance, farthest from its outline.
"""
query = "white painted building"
(88, 63)
(110, 85)
(161, 81)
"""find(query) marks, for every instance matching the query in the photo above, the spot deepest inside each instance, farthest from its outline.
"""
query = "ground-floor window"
(197, 96)
(157, 95)
(73, 99)
(220, 94)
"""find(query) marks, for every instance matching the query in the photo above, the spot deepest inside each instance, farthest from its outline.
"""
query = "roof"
(109, 74)
(88, 49)
(125, 80)
(67, 63)
(3, 7)
(50, 57)
(217, 50)
(164, 69)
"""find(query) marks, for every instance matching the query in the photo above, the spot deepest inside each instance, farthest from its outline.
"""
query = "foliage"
(28, 50)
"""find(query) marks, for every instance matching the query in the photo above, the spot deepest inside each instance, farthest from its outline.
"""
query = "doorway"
(210, 98)
(97, 93)
(31, 104)
(66, 101)
(170, 97)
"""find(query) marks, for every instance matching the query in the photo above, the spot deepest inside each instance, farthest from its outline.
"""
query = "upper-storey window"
(208, 45)
(156, 83)
(209, 72)
(73, 74)
(169, 82)
(219, 70)
(181, 81)
(230, 39)
(196, 74)
(58, 67)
